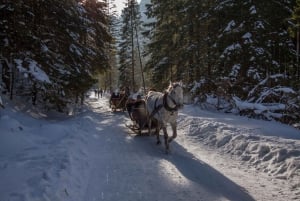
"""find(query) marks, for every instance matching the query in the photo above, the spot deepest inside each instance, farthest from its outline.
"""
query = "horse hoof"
(158, 142)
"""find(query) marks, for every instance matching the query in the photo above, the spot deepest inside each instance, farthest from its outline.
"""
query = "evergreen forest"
(233, 56)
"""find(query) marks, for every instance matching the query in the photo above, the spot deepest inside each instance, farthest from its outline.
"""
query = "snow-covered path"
(94, 157)
(130, 167)
(135, 168)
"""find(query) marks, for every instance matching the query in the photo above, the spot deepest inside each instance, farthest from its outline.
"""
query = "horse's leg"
(157, 129)
(149, 126)
(174, 129)
(166, 138)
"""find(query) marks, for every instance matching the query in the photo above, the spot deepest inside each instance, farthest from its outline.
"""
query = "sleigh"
(118, 102)
(139, 119)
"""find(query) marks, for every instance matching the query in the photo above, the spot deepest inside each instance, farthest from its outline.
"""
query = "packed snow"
(92, 156)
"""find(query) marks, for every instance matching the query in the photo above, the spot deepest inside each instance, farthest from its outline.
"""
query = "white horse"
(163, 109)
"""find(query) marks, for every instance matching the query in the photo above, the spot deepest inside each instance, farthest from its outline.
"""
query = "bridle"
(165, 102)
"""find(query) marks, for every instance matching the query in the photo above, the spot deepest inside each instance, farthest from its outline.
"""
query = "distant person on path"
(101, 92)
(96, 92)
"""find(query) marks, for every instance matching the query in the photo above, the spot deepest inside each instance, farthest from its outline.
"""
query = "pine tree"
(295, 34)
(128, 45)
(164, 41)
(253, 43)
(66, 40)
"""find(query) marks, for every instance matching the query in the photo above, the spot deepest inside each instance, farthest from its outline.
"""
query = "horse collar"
(165, 103)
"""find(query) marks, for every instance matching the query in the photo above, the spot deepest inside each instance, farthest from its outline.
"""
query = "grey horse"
(163, 109)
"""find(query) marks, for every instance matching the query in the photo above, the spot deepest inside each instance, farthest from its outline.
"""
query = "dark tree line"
(236, 40)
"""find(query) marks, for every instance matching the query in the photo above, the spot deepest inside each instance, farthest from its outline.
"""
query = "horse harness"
(165, 105)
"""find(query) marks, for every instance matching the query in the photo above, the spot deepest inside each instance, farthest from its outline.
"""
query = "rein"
(165, 104)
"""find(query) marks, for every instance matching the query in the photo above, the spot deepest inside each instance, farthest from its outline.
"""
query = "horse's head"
(175, 90)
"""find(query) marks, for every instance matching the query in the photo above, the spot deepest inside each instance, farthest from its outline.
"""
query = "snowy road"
(92, 156)
(130, 167)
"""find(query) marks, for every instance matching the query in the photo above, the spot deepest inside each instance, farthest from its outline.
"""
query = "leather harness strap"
(165, 105)
(156, 108)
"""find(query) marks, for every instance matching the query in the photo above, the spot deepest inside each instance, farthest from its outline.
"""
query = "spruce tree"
(128, 45)
(64, 40)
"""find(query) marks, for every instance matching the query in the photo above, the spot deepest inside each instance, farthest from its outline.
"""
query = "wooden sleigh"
(118, 102)
(139, 117)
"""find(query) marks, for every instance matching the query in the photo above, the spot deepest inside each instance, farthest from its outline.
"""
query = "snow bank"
(36, 159)
(278, 154)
